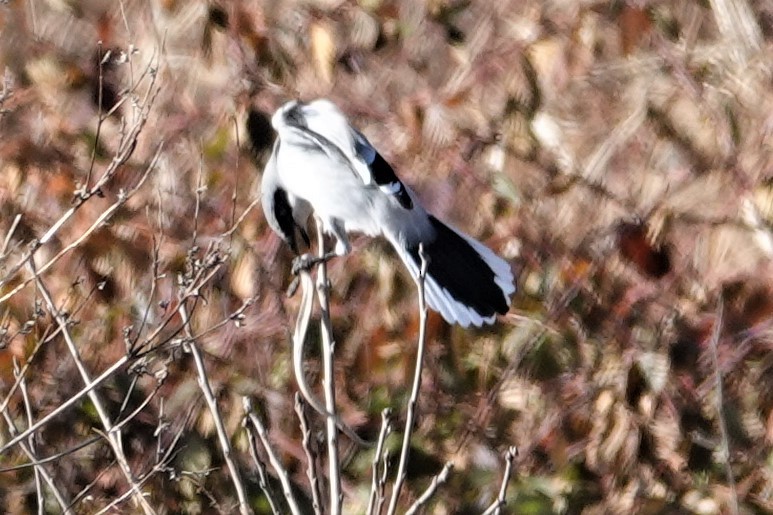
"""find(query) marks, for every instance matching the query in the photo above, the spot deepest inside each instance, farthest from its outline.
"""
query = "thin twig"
(31, 440)
(438, 480)
(261, 467)
(125, 150)
(103, 218)
(29, 451)
(413, 401)
(311, 469)
(376, 493)
(113, 436)
(160, 466)
(206, 390)
(204, 385)
(280, 471)
(8, 236)
(725, 455)
(66, 404)
(53, 457)
(100, 115)
(501, 501)
(328, 351)
(381, 497)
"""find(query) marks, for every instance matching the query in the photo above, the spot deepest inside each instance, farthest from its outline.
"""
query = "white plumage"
(321, 164)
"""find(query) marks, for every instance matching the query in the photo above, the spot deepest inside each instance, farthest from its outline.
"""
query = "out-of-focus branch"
(67, 404)
(113, 436)
(261, 468)
(720, 399)
(29, 449)
(103, 218)
(738, 25)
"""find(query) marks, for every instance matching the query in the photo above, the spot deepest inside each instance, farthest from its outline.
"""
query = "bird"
(321, 165)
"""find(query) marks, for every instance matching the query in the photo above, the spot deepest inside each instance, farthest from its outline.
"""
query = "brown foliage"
(619, 155)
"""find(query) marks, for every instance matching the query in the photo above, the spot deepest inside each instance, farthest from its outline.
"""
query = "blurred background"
(618, 154)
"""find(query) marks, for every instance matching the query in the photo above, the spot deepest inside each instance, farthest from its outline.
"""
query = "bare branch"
(311, 469)
(438, 480)
(261, 467)
(280, 471)
(113, 436)
(501, 500)
(29, 451)
(67, 404)
(206, 389)
(105, 216)
(377, 488)
(328, 351)
(413, 401)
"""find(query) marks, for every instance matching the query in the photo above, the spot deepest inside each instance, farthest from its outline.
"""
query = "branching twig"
(29, 450)
(261, 467)
(206, 389)
(113, 436)
(125, 150)
(103, 218)
(280, 471)
(412, 402)
(311, 470)
(376, 489)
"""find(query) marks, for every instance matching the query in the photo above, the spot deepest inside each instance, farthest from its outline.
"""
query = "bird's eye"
(294, 116)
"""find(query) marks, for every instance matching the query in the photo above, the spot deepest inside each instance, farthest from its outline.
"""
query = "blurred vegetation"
(619, 154)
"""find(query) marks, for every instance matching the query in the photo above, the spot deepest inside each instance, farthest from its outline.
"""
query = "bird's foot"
(307, 262)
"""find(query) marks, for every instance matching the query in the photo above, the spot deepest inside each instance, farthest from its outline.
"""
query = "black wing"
(383, 174)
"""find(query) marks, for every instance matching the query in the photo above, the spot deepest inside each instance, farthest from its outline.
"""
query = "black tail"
(466, 282)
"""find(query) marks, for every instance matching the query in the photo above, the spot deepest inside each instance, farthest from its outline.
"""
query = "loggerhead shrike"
(321, 164)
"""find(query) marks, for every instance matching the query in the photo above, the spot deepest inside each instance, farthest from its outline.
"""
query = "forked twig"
(112, 435)
(125, 150)
(376, 488)
(272, 457)
(311, 469)
(29, 450)
(206, 389)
